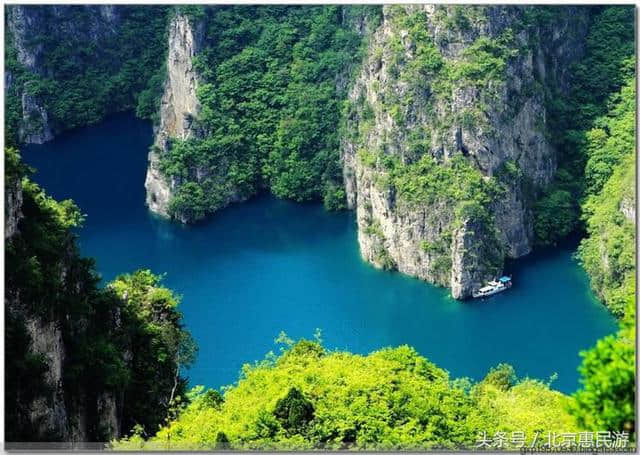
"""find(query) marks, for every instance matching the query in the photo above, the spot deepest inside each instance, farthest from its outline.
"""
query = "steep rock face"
(23, 20)
(13, 208)
(53, 22)
(179, 107)
(50, 415)
(61, 413)
(35, 127)
(628, 208)
(461, 88)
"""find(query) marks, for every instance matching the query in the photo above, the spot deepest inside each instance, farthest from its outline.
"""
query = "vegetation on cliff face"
(595, 135)
(482, 66)
(607, 66)
(608, 252)
(421, 118)
(82, 78)
(126, 340)
(270, 106)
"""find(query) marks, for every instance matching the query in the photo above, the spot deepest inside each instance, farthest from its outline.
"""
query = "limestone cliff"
(13, 206)
(55, 22)
(446, 90)
(56, 412)
(179, 107)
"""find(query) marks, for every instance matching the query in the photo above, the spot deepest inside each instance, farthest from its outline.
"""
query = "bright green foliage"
(270, 107)
(503, 376)
(390, 399)
(596, 139)
(427, 181)
(528, 406)
(81, 82)
(607, 400)
(579, 128)
(485, 60)
(608, 253)
(126, 339)
(161, 346)
(612, 138)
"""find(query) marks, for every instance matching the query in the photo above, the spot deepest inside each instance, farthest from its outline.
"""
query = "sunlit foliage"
(309, 397)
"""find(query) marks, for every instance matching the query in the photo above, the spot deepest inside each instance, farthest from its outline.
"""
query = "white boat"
(493, 287)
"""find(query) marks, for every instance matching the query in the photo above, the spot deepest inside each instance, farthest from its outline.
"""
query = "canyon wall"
(52, 414)
(179, 107)
(69, 66)
(13, 207)
(446, 140)
(446, 90)
(55, 23)
(203, 185)
(449, 96)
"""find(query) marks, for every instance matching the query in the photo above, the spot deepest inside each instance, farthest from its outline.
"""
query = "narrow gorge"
(446, 142)
(242, 171)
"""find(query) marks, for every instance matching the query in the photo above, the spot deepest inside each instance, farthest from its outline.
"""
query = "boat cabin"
(493, 287)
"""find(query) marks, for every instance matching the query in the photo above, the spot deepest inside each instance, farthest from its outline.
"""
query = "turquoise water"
(267, 265)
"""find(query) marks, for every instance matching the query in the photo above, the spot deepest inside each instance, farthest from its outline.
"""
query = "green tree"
(294, 411)
(606, 401)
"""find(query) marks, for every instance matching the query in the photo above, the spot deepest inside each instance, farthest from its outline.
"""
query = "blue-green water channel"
(268, 265)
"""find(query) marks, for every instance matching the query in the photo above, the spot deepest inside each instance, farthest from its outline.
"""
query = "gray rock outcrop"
(51, 415)
(628, 208)
(498, 124)
(53, 21)
(12, 208)
(179, 107)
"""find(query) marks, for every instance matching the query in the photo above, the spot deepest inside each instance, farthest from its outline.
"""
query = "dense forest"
(273, 91)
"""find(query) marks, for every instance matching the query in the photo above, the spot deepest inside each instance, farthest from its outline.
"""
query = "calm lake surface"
(267, 265)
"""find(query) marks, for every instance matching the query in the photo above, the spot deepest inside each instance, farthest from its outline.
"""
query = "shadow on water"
(267, 265)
